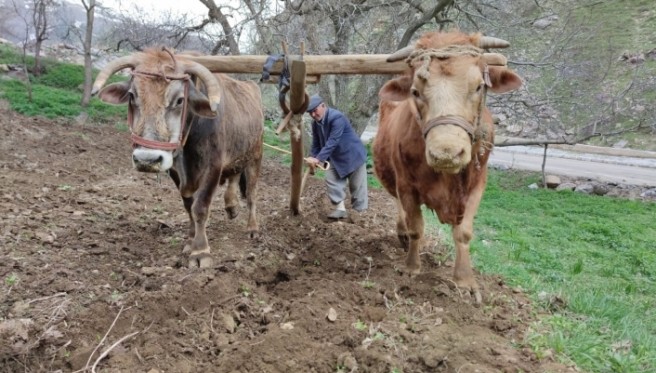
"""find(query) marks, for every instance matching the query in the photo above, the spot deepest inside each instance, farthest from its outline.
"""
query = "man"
(335, 141)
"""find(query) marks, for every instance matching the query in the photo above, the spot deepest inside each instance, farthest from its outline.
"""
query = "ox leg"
(463, 274)
(187, 202)
(415, 233)
(200, 209)
(401, 227)
(252, 175)
(231, 198)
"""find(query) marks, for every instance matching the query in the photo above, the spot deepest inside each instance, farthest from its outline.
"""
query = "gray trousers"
(357, 183)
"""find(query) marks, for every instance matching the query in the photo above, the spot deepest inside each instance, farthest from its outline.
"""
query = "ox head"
(158, 95)
(446, 90)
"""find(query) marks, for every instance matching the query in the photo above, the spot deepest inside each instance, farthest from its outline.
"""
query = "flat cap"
(315, 101)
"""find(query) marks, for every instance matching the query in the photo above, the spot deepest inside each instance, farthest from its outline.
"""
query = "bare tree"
(138, 29)
(216, 14)
(90, 8)
(40, 15)
(25, 38)
(347, 27)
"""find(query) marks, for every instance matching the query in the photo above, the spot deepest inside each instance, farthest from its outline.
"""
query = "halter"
(425, 56)
(160, 145)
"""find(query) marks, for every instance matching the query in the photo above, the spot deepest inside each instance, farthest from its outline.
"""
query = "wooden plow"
(303, 70)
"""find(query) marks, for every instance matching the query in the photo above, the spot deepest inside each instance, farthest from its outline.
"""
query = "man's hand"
(312, 163)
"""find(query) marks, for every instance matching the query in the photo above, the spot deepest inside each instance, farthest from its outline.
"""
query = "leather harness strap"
(450, 119)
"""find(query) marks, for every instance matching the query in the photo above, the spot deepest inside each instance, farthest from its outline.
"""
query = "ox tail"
(243, 183)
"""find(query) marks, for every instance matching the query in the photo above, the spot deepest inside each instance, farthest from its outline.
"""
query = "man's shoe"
(337, 214)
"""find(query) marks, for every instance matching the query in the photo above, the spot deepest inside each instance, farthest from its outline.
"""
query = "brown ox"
(435, 136)
(202, 141)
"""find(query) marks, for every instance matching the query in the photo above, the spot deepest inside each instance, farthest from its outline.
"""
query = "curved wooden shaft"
(298, 103)
(297, 164)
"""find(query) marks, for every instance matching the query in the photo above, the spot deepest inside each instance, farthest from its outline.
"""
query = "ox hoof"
(412, 270)
(202, 260)
(472, 294)
(470, 291)
(253, 234)
(232, 212)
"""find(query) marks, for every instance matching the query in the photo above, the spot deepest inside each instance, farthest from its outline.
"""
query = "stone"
(584, 188)
(566, 186)
(552, 181)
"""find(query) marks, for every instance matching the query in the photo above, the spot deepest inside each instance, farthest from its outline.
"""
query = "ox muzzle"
(449, 142)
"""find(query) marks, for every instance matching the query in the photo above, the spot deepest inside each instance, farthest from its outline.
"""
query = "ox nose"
(151, 160)
(448, 149)
(446, 155)
(147, 161)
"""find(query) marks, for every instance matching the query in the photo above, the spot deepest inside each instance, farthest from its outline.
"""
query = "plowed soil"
(93, 276)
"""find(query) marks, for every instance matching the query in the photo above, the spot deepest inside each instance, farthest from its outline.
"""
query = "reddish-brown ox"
(435, 136)
(201, 140)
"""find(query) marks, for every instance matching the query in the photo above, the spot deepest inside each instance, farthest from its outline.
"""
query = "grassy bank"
(588, 262)
(56, 93)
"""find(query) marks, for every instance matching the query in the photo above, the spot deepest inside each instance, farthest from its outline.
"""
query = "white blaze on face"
(173, 101)
(448, 147)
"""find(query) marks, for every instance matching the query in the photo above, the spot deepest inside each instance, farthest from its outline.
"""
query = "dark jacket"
(335, 141)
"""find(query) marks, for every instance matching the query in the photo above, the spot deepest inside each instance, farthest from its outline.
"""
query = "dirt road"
(600, 167)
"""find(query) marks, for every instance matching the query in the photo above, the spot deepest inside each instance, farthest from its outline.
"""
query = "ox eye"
(179, 101)
(480, 87)
(415, 92)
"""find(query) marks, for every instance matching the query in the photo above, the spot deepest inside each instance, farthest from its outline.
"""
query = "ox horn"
(495, 59)
(212, 85)
(401, 54)
(491, 42)
(109, 70)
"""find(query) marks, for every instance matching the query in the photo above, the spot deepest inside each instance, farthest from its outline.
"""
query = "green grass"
(56, 93)
(597, 254)
(282, 142)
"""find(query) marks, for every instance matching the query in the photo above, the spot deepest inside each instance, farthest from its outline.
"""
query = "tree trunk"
(40, 20)
(88, 72)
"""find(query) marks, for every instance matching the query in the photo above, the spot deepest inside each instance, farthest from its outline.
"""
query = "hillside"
(589, 67)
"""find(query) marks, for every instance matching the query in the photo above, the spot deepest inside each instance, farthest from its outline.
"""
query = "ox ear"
(504, 80)
(199, 104)
(115, 93)
(396, 89)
